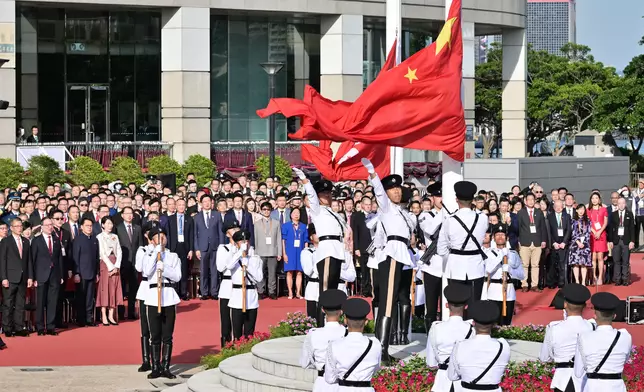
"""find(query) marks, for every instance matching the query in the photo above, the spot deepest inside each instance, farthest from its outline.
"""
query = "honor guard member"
(352, 361)
(560, 342)
(495, 268)
(479, 363)
(376, 255)
(225, 253)
(331, 228)
(141, 295)
(244, 266)
(398, 227)
(311, 292)
(443, 336)
(430, 223)
(601, 354)
(460, 241)
(318, 339)
(161, 324)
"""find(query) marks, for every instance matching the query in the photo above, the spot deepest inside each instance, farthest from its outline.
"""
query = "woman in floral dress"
(580, 258)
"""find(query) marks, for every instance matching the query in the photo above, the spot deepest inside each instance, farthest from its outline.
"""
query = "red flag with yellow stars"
(414, 105)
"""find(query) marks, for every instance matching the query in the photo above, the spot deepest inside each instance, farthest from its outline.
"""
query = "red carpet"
(197, 330)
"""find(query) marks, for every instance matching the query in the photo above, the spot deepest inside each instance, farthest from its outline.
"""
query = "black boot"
(393, 336)
(376, 320)
(156, 362)
(165, 362)
(428, 324)
(384, 329)
(405, 319)
(145, 353)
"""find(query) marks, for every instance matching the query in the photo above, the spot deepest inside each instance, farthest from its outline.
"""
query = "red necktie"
(51, 250)
(20, 247)
(531, 217)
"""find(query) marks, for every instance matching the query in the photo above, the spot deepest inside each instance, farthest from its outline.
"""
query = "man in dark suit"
(86, 259)
(560, 230)
(48, 265)
(533, 236)
(72, 226)
(130, 238)
(65, 239)
(40, 212)
(621, 240)
(361, 241)
(16, 274)
(181, 242)
(244, 218)
(35, 136)
(207, 237)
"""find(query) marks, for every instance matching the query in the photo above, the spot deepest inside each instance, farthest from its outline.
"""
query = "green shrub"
(164, 164)
(44, 170)
(282, 168)
(126, 169)
(202, 167)
(12, 173)
(85, 171)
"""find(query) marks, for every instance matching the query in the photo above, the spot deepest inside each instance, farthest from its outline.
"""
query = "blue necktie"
(180, 216)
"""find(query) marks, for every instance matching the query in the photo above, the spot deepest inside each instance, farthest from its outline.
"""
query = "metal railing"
(245, 153)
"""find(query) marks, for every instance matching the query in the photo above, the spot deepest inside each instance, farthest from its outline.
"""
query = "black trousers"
(243, 323)
(477, 288)
(432, 285)
(509, 307)
(129, 279)
(13, 312)
(375, 287)
(209, 282)
(86, 291)
(365, 276)
(621, 262)
(312, 309)
(143, 317)
(329, 273)
(182, 251)
(556, 273)
(161, 324)
(404, 293)
(389, 277)
(639, 224)
(47, 299)
(226, 322)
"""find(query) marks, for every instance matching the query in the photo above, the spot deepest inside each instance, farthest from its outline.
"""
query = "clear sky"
(612, 29)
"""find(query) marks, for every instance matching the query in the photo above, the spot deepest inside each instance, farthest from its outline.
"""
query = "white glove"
(505, 251)
(368, 165)
(160, 265)
(157, 248)
(244, 261)
(506, 268)
(243, 246)
(299, 173)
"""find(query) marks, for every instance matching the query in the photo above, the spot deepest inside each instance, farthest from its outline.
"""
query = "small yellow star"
(411, 74)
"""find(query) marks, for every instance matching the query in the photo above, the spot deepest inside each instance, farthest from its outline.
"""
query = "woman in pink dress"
(598, 215)
(109, 294)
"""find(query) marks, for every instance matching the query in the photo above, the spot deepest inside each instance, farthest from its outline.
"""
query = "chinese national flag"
(414, 105)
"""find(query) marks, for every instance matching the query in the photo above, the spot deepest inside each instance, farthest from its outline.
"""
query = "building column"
(28, 73)
(468, 90)
(185, 81)
(514, 98)
(300, 62)
(8, 79)
(341, 57)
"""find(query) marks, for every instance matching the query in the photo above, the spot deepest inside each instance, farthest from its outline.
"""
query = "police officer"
(244, 266)
(161, 323)
(601, 354)
(430, 223)
(225, 254)
(443, 336)
(318, 339)
(352, 361)
(560, 342)
(141, 295)
(331, 229)
(398, 226)
(495, 268)
(460, 241)
(13, 208)
(480, 363)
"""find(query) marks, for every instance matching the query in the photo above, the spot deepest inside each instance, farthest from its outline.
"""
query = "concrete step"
(206, 381)
(183, 387)
(238, 374)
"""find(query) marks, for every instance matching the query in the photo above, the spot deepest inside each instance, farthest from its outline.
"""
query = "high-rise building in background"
(551, 24)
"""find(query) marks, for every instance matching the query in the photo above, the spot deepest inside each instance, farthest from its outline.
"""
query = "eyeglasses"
(83, 205)
(57, 219)
(539, 192)
(266, 209)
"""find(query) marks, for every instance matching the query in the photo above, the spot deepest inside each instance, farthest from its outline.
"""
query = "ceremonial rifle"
(504, 281)
(413, 292)
(159, 277)
(243, 284)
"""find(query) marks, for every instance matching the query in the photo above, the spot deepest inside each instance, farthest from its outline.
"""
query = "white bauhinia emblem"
(350, 154)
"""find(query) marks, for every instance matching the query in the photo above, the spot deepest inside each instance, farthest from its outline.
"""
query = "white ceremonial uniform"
(311, 293)
(592, 348)
(471, 357)
(454, 239)
(347, 273)
(429, 222)
(225, 254)
(254, 274)
(171, 274)
(442, 338)
(420, 289)
(494, 268)
(559, 346)
(397, 223)
(379, 240)
(343, 353)
(327, 223)
(314, 352)
(141, 253)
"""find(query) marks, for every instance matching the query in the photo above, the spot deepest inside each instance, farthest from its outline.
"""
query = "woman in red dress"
(109, 295)
(598, 215)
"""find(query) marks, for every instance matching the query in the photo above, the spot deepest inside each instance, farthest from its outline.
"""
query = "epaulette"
(226, 247)
(553, 323)
(310, 250)
(437, 322)
(494, 253)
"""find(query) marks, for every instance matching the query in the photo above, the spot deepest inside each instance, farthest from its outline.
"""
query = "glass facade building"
(551, 24)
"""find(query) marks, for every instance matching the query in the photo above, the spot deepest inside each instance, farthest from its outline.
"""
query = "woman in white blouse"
(110, 294)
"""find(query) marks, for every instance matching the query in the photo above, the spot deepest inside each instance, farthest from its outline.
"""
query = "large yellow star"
(445, 37)
(411, 74)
